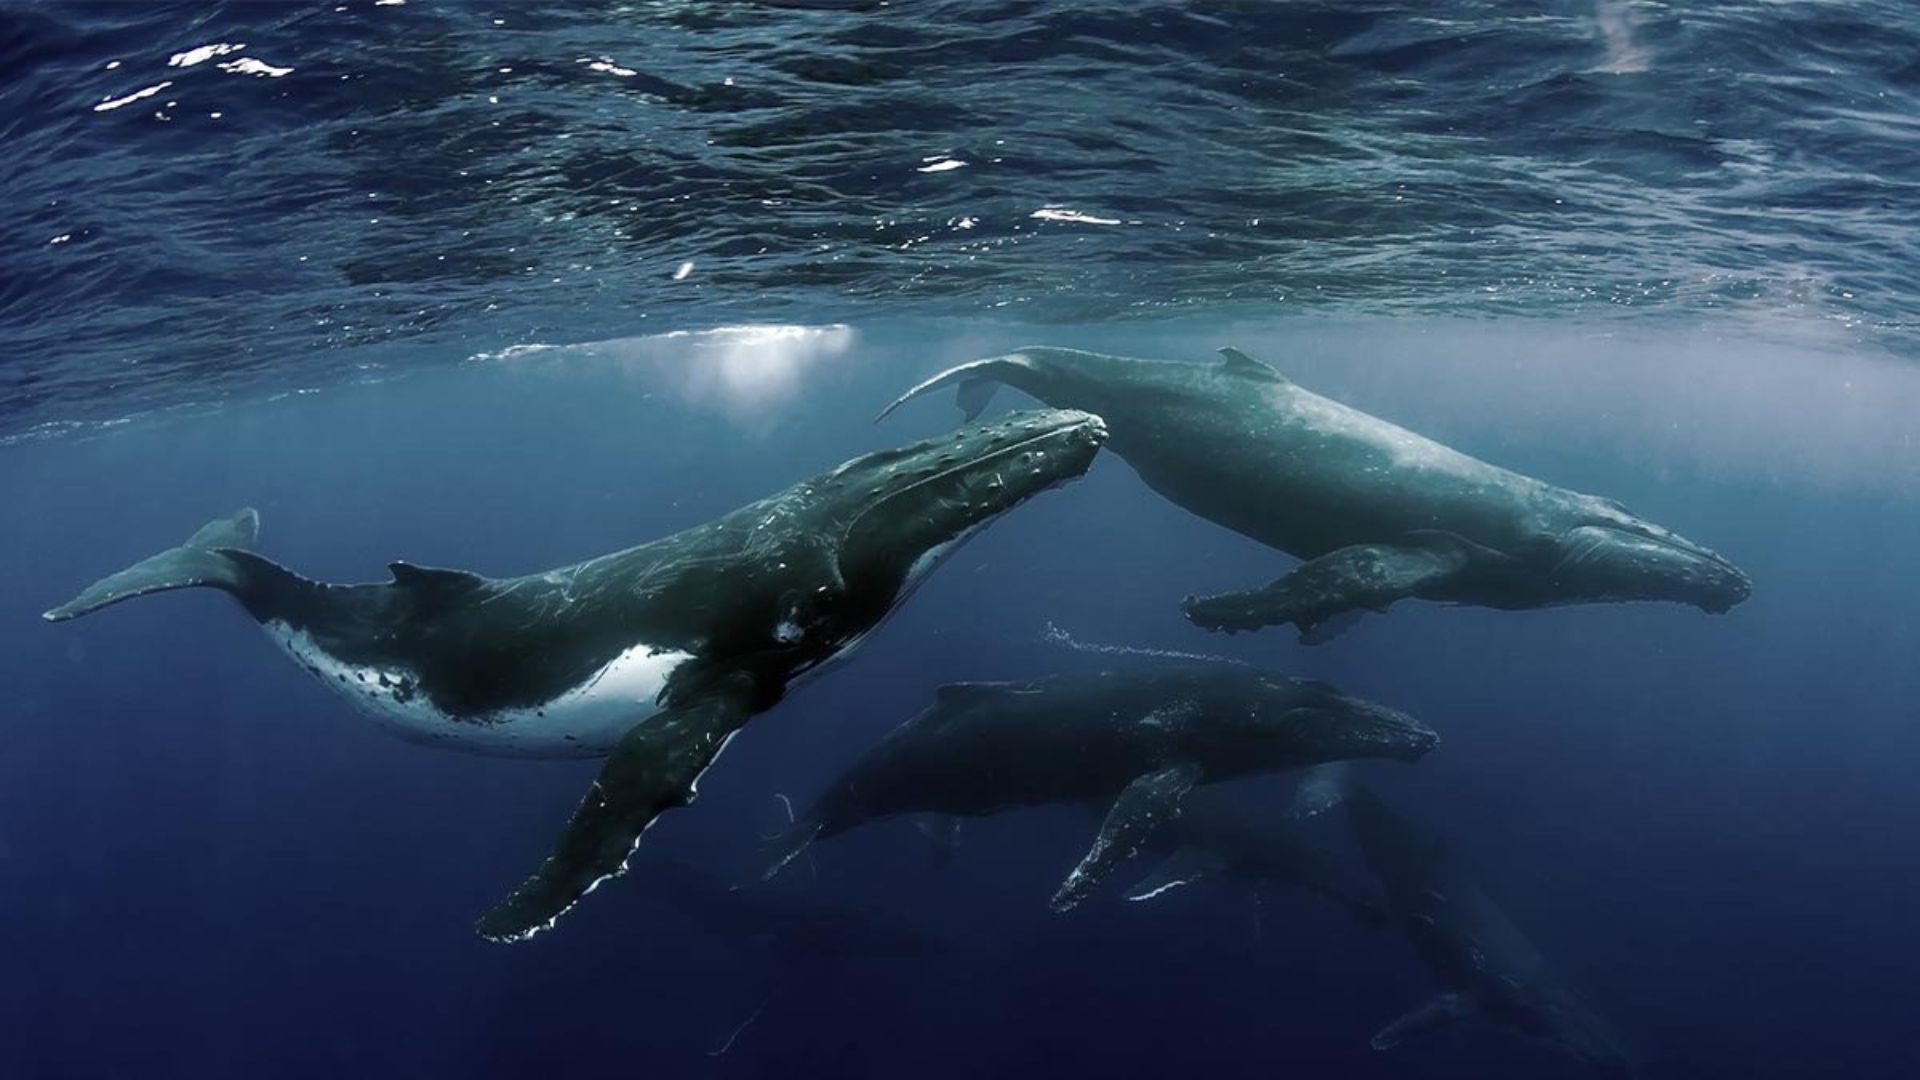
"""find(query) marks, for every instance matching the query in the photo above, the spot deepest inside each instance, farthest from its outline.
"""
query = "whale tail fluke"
(786, 846)
(977, 380)
(202, 560)
(1320, 789)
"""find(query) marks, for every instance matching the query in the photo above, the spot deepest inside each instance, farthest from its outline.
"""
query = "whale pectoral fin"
(1443, 1011)
(1183, 867)
(1142, 807)
(654, 768)
(1367, 577)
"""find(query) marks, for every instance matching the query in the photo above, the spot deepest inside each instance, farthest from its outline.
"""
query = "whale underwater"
(1225, 837)
(1131, 743)
(1487, 968)
(1377, 512)
(651, 657)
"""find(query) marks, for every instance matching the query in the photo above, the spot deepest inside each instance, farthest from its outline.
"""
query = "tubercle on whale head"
(1324, 724)
(908, 504)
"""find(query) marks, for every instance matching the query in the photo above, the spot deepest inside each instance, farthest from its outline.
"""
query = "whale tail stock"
(215, 556)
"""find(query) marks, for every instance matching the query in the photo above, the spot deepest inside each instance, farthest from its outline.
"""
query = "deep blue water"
(1658, 253)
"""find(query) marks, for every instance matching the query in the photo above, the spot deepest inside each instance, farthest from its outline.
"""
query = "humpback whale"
(1219, 836)
(652, 657)
(1486, 966)
(1130, 742)
(1378, 513)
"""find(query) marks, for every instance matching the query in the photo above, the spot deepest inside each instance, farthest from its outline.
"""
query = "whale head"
(1617, 556)
(905, 508)
(1298, 722)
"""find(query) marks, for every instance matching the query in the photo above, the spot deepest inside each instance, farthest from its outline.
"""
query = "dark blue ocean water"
(1660, 253)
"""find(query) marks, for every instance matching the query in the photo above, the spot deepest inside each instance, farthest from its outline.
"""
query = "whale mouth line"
(1692, 574)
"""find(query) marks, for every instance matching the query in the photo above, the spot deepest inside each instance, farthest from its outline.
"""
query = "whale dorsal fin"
(1235, 362)
(434, 585)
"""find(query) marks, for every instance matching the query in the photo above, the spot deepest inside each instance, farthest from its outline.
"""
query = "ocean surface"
(500, 287)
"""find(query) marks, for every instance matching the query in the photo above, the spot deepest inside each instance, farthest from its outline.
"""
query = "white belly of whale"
(585, 721)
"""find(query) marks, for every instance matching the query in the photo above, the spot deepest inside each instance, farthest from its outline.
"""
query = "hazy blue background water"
(211, 867)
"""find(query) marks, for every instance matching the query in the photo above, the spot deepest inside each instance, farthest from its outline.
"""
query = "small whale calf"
(1131, 742)
(1487, 968)
(1379, 513)
(652, 657)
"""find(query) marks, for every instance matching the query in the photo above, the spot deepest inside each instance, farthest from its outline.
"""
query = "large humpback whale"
(1378, 512)
(651, 657)
(1132, 742)
(1486, 966)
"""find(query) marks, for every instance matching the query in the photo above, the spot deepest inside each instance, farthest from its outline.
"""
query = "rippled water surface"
(218, 199)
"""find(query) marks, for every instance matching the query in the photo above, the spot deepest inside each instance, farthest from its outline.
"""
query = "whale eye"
(826, 600)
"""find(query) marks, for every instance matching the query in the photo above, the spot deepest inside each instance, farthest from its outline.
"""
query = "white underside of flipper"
(584, 722)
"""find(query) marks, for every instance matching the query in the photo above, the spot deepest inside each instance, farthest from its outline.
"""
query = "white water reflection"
(204, 53)
(115, 103)
(247, 65)
(1616, 21)
(746, 371)
(1061, 213)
